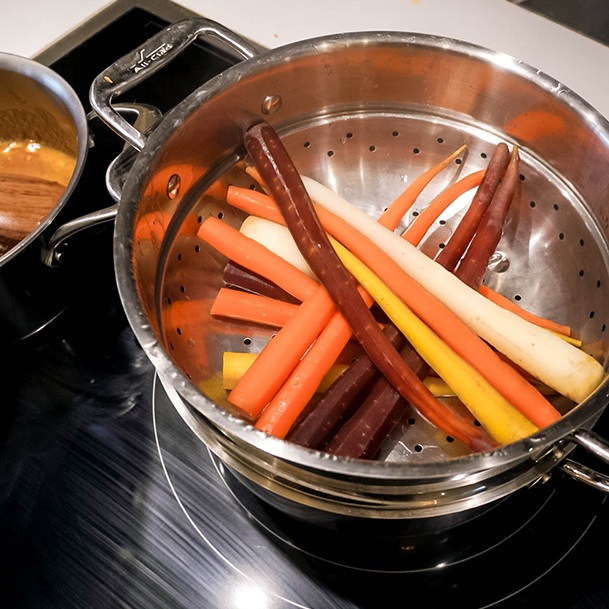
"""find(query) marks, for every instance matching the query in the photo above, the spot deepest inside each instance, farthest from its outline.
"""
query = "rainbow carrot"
(281, 354)
(394, 213)
(472, 267)
(422, 223)
(236, 276)
(468, 225)
(245, 306)
(235, 364)
(256, 258)
(291, 399)
(278, 172)
(322, 422)
(506, 303)
(445, 323)
(504, 422)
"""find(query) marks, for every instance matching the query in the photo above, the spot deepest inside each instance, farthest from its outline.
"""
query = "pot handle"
(145, 117)
(155, 53)
(584, 474)
(599, 447)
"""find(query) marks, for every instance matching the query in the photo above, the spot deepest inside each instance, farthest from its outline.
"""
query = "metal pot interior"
(364, 114)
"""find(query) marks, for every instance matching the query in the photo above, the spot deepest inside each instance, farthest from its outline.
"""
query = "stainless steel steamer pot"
(363, 113)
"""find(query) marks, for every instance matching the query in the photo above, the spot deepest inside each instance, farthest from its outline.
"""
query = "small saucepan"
(45, 135)
(43, 147)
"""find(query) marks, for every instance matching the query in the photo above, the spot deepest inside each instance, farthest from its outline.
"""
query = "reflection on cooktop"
(295, 563)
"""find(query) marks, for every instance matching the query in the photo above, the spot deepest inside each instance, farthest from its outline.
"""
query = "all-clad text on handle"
(143, 62)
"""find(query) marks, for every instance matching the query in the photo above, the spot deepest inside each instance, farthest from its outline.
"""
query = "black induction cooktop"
(108, 500)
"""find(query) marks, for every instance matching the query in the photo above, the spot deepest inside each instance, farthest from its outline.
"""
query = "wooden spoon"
(24, 202)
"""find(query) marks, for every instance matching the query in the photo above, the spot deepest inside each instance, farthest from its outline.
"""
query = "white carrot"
(555, 362)
(276, 238)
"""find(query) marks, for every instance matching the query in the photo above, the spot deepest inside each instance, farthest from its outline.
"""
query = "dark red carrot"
(362, 436)
(450, 256)
(320, 424)
(237, 276)
(472, 267)
(283, 180)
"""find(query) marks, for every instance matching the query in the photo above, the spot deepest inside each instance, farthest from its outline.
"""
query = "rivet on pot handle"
(599, 448)
(156, 52)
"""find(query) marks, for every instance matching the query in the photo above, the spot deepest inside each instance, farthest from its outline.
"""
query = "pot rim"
(583, 415)
(56, 85)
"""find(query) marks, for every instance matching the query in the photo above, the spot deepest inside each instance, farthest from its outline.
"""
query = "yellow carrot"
(235, 364)
(503, 422)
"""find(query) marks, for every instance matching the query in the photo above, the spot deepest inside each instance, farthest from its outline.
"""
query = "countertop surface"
(29, 26)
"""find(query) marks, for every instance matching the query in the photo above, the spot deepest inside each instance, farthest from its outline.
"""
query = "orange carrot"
(291, 399)
(287, 404)
(435, 314)
(280, 355)
(506, 303)
(256, 258)
(419, 227)
(245, 306)
(393, 215)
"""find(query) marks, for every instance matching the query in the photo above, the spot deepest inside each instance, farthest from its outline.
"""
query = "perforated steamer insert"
(552, 259)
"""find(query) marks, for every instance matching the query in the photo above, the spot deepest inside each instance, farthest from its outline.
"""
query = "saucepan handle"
(599, 447)
(141, 63)
(145, 117)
